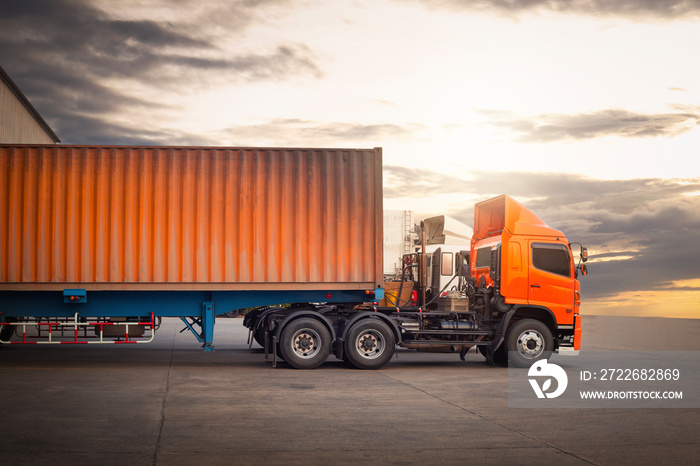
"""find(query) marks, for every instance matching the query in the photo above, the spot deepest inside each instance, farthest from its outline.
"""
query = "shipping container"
(189, 218)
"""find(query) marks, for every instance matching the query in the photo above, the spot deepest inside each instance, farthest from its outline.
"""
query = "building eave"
(30, 108)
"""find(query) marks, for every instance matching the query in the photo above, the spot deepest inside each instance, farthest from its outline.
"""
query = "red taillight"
(414, 297)
(329, 296)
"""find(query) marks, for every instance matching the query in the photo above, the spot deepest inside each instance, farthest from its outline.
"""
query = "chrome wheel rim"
(370, 344)
(530, 344)
(306, 343)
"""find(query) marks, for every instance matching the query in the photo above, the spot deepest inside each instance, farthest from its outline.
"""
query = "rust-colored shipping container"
(189, 218)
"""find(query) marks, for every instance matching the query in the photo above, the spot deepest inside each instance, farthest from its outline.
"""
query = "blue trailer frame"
(197, 309)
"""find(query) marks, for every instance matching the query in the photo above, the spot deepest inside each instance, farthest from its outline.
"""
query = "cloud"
(72, 58)
(613, 122)
(642, 233)
(687, 108)
(406, 182)
(306, 132)
(651, 9)
(95, 130)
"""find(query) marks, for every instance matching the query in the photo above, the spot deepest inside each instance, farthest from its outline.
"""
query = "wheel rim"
(370, 344)
(306, 343)
(530, 344)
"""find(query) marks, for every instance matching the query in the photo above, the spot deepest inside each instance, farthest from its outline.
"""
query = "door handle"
(535, 285)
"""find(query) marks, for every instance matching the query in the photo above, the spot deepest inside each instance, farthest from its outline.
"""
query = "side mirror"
(584, 255)
(584, 269)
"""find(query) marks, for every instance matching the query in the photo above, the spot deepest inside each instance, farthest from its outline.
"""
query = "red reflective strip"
(128, 341)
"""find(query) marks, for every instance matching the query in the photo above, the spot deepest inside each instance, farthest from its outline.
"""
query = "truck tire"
(305, 343)
(528, 341)
(370, 344)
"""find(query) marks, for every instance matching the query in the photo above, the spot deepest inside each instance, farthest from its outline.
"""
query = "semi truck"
(98, 243)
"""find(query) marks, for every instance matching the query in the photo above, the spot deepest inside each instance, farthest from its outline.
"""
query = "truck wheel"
(305, 343)
(528, 341)
(370, 344)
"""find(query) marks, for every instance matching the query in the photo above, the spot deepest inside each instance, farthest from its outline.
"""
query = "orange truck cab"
(523, 277)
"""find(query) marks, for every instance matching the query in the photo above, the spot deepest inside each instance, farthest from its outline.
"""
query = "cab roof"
(500, 213)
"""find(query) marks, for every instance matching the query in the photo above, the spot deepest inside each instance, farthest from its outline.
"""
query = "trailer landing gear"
(205, 322)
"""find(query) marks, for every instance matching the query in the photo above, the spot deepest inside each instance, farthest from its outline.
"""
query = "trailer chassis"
(75, 310)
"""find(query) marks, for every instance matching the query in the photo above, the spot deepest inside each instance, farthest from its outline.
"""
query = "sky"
(586, 111)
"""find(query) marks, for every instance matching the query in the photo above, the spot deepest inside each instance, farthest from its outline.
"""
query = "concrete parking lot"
(170, 403)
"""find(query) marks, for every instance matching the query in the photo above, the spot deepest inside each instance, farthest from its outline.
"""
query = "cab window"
(483, 257)
(446, 268)
(552, 258)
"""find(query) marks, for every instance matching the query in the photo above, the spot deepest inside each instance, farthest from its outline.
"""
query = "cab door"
(551, 279)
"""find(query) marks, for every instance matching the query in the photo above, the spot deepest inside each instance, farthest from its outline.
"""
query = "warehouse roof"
(30, 108)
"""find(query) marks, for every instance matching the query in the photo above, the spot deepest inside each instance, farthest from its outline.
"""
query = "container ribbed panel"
(127, 217)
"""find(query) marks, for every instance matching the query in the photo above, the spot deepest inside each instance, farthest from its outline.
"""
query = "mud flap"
(499, 337)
